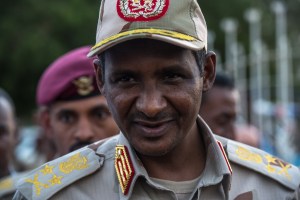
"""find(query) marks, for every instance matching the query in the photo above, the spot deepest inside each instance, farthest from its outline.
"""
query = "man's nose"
(151, 102)
(84, 131)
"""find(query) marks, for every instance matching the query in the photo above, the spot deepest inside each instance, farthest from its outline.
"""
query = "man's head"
(8, 129)
(219, 106)
(153, 68)
(73, 113)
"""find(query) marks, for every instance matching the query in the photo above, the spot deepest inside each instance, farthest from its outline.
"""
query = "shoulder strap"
(263, 163)
(45, 181)
(6, 186)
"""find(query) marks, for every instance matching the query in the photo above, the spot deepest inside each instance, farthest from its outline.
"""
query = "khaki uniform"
(110, 169)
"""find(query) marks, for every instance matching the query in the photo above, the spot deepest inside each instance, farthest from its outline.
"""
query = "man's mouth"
(152, 129)
(79, 145)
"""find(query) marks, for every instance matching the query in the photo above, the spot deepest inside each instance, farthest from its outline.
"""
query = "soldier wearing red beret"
(72, 111)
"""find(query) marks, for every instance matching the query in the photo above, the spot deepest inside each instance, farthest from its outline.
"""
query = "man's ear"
(209, 71)
(43, 119)
(99, 75)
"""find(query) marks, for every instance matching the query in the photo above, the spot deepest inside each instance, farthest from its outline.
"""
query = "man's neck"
(185, 162)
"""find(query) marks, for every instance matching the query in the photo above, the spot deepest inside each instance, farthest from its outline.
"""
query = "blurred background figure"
(295, 138)
(220, 110)
(8, 141)
(71, 111)
(248, 134)
(8, 133)
(219, 107)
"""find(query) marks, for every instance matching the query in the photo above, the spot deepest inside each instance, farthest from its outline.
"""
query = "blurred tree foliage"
(35, 32)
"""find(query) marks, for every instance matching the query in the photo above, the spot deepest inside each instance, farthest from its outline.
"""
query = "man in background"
(220, 110)
(219, 107)
(8, 138)
(72, 112)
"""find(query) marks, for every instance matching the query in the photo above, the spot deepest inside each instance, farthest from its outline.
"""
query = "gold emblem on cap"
(141, 10)
(84, 85)
(124, 168)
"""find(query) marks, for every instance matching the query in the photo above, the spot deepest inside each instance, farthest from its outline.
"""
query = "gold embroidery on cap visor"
(159, 32)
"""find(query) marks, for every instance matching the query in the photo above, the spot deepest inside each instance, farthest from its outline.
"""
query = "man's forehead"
(142, 43)
(82, 104)
(147, 47)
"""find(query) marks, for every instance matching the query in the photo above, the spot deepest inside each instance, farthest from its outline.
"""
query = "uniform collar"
(216, 168)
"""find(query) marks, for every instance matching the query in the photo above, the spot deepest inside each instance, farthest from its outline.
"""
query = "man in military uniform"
(153, 67)
(72, 112)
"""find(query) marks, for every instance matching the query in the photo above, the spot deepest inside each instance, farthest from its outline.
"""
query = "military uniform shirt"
(90, 173)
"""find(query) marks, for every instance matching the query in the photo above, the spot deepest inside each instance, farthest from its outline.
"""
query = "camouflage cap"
(179, 22)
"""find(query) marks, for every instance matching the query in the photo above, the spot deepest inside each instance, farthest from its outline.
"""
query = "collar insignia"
(142, 10)
(124, 168)
(84, 85)
(225, 156)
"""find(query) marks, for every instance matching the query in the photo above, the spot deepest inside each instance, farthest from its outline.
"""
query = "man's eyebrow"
(124, 71)
(173, 68)
(66, 111)
(102, 106)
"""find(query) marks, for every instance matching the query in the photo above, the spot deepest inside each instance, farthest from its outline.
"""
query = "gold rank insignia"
(124, 168)
(84, 85)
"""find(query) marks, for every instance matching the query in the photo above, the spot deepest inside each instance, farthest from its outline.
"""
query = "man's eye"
(3, 131)
(125, 79)
(101, 113)
(172, 76)
(66, 118)
(222, 121)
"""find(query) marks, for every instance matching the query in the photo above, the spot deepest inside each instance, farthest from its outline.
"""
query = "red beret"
(69, 77)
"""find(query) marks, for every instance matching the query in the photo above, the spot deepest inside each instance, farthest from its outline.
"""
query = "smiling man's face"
(154, 91)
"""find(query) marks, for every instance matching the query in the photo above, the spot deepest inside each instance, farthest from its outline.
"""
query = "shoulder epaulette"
(263, 163)
(48, 179)
(6, 186)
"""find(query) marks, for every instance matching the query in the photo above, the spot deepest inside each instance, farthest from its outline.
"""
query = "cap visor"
(172, 37)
